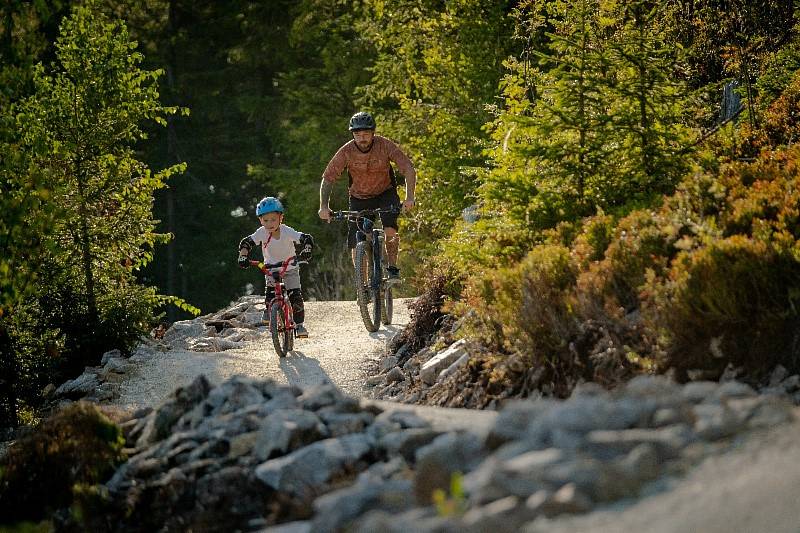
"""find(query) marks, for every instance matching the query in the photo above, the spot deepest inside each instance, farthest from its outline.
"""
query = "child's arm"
(306, 246)
(245, 245)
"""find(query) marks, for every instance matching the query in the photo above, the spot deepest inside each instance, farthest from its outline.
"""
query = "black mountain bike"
(373, 288)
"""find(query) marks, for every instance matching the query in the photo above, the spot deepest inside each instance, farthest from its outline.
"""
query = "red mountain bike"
(373, 288)
(281, 318)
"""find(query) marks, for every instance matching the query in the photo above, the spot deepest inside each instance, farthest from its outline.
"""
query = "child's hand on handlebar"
(325, 213)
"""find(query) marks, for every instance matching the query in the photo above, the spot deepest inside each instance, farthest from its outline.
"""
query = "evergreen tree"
(78, 129)
(25, 213)
(436, 72)
(649, 101)
(552, 143)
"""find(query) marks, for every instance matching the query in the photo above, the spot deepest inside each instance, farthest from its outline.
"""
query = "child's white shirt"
(277, 249)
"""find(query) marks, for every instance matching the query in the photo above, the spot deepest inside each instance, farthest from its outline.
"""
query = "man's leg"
(392, 245)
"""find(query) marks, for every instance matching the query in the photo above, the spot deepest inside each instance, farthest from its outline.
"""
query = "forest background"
(588, 170)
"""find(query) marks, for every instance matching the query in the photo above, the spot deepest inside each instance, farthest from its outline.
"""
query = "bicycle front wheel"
(388, 305)
(363, 289)
(282, 338)
(376, 282)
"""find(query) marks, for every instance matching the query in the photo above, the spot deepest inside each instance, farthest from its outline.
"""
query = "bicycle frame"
(370, 242)
(277, 271)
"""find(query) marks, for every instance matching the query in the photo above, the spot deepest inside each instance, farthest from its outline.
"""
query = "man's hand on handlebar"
(243, 261)
(325, 213)
(408, 204)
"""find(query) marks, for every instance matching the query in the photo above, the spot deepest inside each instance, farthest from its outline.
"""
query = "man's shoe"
(394, 273)
(265, 317)
(300, 331)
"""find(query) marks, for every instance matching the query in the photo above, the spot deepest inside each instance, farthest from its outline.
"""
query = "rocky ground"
(256, 453)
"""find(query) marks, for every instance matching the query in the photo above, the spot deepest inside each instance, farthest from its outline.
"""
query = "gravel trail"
(337, 351)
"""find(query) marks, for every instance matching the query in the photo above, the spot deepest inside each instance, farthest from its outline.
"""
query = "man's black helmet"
(362, 121)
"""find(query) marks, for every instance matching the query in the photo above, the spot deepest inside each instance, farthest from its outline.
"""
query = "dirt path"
(337, 351)
(752, 489)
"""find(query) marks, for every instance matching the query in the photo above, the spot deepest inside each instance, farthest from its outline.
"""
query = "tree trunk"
(85, 245)
(172, 262)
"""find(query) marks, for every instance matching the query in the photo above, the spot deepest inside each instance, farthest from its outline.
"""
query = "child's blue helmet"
(270, 204)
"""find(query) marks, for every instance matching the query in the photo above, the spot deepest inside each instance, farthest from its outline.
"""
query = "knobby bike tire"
(376, 286)
(281, 335)
(388, 306)
(363, 268)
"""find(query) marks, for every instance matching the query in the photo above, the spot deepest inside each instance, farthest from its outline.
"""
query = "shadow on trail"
(302, 370)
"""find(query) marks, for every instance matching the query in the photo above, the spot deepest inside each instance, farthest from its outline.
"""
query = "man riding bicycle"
(367, 159)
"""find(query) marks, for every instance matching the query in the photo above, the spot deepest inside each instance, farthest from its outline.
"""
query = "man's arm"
(325, 188)
(332, 172)
(407, 169)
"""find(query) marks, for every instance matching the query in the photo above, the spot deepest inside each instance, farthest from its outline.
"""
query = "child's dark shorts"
(385, 200)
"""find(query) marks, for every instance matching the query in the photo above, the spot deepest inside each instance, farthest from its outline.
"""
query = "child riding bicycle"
(277, 242)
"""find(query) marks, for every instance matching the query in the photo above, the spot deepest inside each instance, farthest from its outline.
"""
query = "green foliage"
(731, 302)
(454, 502)
(76, 447)
(781, 124)
(75, 171)
(594, 238)
(778, 70)
(436, 71)
(740, 289)
(593, 125)
(526, 307)
(727, 37)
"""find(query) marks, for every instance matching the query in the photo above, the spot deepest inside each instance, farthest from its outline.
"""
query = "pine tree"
(79, 128)
(648, 99)
(552, 142)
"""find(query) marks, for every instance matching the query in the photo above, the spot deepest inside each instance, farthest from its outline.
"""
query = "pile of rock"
(232, 327)
(217, 332)
(101, 383)
(433, 375)
(253, 454)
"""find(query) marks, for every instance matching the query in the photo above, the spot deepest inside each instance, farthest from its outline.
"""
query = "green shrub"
(734, 301)
(640, 244)
(526, 308)
(76, 447)
(736, 287)
(593, 240)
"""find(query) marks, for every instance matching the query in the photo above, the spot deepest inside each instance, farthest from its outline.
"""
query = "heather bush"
(526, 308)
(57, 463)
(734, 301)
(593, 240)
(732, 298)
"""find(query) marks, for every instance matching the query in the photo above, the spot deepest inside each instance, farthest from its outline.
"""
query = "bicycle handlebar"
(267, 268)
(348, 215)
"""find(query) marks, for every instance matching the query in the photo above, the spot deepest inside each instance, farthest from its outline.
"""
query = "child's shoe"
(300, 331)
(265, 318)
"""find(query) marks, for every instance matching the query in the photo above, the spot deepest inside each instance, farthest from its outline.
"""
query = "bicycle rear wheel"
(363, 289)
(282, 338)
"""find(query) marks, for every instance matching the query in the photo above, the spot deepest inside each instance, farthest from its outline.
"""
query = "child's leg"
(298, 309)
(269, 294)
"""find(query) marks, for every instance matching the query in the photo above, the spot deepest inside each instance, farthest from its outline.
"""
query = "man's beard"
(367, 147)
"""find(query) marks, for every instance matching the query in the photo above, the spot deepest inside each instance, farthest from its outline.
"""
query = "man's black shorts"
(385, 200)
